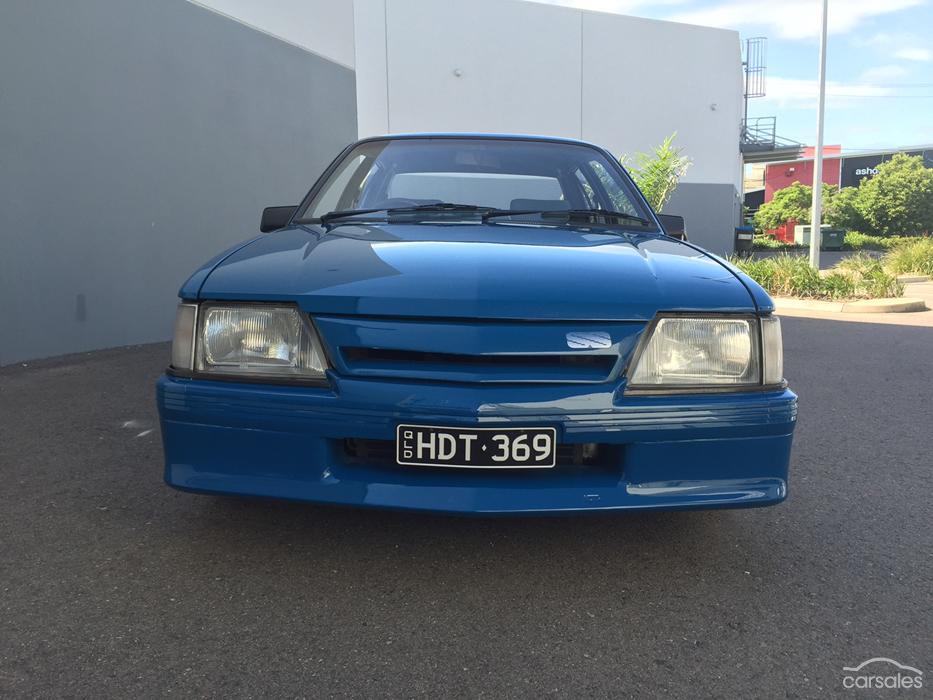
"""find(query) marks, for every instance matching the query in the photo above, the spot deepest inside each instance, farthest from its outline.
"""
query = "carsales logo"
(881, 673)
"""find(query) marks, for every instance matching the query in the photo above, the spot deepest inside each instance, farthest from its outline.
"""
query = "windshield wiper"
(343, 213)
(440, 207)
(571, 215)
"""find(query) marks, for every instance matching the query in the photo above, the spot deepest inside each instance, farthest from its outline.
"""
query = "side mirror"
(274, 218)
(674, 226)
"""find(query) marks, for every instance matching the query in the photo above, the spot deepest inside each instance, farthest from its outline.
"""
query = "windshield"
(488, 174)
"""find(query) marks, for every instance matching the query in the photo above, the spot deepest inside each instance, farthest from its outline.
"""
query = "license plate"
(477, 448)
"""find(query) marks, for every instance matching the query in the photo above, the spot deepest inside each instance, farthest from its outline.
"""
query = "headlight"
(697, 353)
(250, 339)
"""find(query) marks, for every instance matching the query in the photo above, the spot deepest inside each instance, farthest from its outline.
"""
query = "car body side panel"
(192, 286)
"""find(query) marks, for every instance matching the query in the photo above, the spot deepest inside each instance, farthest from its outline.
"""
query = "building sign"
(854, 169)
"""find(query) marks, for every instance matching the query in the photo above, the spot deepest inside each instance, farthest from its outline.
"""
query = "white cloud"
(796, 93)
(880, 74)
(914, 53)
(791, 19)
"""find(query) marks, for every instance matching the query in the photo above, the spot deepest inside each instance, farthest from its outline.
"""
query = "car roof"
(479, 135)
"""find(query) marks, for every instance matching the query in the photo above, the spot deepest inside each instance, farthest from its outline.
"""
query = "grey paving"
(113, 584)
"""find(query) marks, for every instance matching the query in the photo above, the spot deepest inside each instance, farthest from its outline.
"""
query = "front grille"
(470, 351)
(576, 455)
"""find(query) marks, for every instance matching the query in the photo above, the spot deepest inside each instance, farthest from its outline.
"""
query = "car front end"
(467, 365)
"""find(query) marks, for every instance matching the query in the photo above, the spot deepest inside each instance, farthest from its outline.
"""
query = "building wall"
(324, 27)
(712, 213)
(781, 175)
(854, 169)
(646, 79)
(623, 82)
(137, 139)
(838, 170)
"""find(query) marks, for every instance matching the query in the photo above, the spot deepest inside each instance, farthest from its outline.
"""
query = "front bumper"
(703, 451)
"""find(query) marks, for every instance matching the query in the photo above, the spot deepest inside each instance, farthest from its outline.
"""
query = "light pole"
(816, 217)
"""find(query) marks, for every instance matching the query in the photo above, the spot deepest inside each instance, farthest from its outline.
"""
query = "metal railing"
(759, 134)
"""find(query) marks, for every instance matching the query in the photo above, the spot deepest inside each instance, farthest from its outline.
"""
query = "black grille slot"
(568, 455)
(603, 362)
(581, 367)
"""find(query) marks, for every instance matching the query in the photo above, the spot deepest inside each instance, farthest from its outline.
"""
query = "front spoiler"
(286, 442)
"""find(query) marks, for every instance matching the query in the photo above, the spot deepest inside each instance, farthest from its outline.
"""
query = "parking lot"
(114, 584)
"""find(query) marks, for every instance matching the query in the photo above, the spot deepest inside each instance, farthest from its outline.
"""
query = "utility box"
(832, 238)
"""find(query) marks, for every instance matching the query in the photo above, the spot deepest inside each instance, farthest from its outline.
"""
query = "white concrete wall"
(645, 79)
(514, 66)
(517, 66)
(524, 67)
(372, 76)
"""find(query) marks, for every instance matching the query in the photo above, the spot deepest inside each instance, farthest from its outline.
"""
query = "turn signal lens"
(773, 350)
(183, 339)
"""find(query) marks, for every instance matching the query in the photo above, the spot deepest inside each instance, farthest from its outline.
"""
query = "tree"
(792, 202)
(658, 173)
(899, 199)
(842, 211)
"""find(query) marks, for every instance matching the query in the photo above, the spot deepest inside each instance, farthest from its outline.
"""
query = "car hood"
(477, 271)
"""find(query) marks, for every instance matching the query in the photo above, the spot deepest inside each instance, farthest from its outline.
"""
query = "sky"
(879, 63)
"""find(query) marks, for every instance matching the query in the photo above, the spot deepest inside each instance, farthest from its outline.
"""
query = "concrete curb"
(912, 279)
(884, 306)
(859, 306)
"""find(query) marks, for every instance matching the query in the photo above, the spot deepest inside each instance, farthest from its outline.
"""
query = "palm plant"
(657, 173)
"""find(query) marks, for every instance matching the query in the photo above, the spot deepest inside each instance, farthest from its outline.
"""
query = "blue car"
(476, 324)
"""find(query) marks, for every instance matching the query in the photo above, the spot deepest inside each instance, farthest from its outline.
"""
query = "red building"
(781, 175)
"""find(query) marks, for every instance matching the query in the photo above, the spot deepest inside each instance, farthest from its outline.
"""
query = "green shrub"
(861, 277)
(854, 240)
(837, 286)
(792, 202)
(842, 211)
(658, 173)
(899, 199)
(911, 256)
(765, 242)
(878, 283)
(868, 276)
(788, 203)
(864, 241)
(858, 264)
(782, 275)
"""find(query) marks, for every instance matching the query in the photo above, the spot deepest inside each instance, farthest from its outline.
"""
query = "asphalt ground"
(112, 584)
